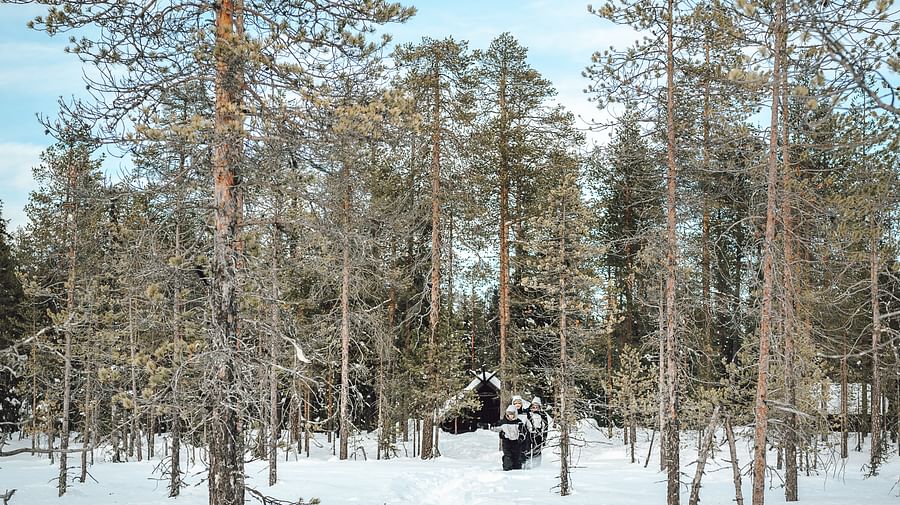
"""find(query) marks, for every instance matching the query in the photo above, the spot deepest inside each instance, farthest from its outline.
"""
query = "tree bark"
(705, 447)
(87, 428)
(844, 428)
(662, 388)
(175, 463)
(345, 313)
(134, 446)
(71, 207)
(435, 301)
(504, 244)
(672, 422)
(765, 325)
(564, 417)
(705, 224)
(275, 317)
(790, 323)
(735, 466)
(226, 447)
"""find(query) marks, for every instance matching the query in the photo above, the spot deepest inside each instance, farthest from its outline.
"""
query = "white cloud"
(16, 161)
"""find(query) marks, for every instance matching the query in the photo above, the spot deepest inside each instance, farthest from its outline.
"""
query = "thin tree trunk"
(151, 432)
(504, 243)
(385, 420)
(705, 224)
(790, 323)
(765, 325)
(34, 395)
(564, 417)
(345, 314)
(135, 444)
(844, 428)
(72, 232)
(632, 437)
(875, 449)
(735, 466)
(274, 421)
(672, 439)
(306, 424)
(329, 404)
(662, 388)
(705, 447)
(175, 462)
(87, 429)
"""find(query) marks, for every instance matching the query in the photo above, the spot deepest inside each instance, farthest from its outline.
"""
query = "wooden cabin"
(486, 386)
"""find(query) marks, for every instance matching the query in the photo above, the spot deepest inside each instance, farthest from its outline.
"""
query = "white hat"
(525, 403)
(536, 401)
(512, 410)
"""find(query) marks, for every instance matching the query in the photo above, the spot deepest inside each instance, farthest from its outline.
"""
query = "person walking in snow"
(512, 432)
(524, 415)
(537, 426)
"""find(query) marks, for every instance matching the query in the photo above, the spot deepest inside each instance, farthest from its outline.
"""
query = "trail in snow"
(468, 473)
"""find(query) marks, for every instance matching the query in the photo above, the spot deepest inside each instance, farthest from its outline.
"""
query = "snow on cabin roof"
(484, 376)
(480, 378)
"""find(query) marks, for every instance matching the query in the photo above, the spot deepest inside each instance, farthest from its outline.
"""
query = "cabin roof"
(482, 377)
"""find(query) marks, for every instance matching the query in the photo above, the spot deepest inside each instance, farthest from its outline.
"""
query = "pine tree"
(12, 327)
(438, 76)
(284, 47)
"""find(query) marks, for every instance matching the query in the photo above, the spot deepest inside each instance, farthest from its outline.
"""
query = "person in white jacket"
(537, 426)
(512, 433)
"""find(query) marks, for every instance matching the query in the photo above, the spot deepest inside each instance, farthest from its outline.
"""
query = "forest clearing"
(269, 253)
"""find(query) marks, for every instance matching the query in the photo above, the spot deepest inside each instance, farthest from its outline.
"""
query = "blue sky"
(35, 72)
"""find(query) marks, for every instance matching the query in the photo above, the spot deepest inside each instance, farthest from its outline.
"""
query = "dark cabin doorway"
(486, 385)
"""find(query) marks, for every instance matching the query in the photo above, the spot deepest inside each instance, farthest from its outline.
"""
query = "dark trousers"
(512, 454)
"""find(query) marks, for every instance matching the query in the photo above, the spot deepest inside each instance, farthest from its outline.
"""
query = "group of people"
(523, 431)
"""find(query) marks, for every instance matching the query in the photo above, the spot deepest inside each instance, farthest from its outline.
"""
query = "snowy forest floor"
(467, 473)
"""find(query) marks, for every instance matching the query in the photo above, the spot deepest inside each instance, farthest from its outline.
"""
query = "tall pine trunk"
(177, 339)
(345, 313)
(435, 301)
(504, 245)
(274, 421)
(564, 400)
(72, 239)
(225, 436)
(789, 295)
(672, 438)
(765, 324)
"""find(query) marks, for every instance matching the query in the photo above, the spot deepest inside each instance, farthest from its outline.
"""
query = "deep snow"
(467, 473)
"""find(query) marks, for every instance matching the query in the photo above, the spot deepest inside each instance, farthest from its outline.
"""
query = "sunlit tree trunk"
(226, 445)
(765, 326)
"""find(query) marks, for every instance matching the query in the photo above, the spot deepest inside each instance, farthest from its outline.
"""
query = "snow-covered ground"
(467, 473)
